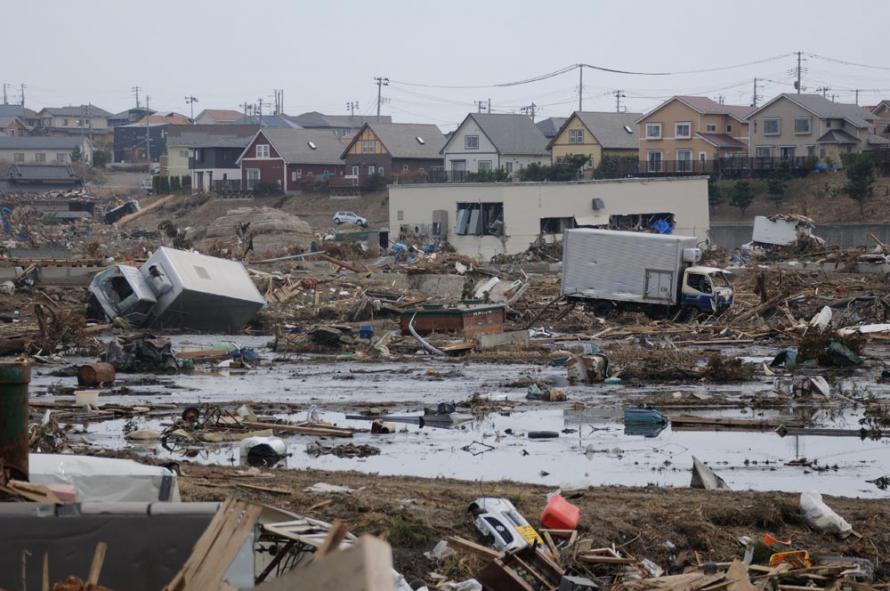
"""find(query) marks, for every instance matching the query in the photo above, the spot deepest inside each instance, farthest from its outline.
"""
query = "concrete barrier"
(733, 235)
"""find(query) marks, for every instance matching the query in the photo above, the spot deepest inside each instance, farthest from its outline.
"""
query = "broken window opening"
(556, 225)
(480, 219)
(658, 223)
(120, 289)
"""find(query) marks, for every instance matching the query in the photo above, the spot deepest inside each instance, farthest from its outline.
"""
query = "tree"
(775, 187)
(76, 154)
(715, 195)
(101, 158)
(860, 170)
(616, 167)
(567, 168)
(742, 195)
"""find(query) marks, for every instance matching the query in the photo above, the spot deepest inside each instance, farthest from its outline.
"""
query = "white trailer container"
(179, 289)
(638, 269)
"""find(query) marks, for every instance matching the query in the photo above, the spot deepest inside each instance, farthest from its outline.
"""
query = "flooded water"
(592, 447)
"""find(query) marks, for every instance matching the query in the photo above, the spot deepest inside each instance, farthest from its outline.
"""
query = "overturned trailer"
(177, 289)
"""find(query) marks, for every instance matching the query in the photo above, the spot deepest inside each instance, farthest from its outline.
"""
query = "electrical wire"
(847, 63)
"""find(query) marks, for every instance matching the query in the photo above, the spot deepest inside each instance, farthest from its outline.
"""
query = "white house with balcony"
(489, 141)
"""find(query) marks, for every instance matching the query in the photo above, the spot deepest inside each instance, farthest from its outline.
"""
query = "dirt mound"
(271, 230)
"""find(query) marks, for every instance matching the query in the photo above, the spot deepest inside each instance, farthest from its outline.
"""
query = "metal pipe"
(14, 380)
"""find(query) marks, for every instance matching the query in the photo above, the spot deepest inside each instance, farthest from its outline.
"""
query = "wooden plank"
(464, 545)
(45, 584)
(96, 566)
(333, 540)
(301, 429)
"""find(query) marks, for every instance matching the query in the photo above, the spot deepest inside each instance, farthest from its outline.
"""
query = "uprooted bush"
(723, 370)
(814, 345)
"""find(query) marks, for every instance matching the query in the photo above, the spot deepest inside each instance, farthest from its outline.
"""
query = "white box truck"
(653, 273)
(177, 289)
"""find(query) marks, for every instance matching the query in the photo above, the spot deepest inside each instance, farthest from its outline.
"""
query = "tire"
(603, 309)
(337, 221)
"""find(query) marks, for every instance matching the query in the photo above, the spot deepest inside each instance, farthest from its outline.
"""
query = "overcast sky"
(324, 54)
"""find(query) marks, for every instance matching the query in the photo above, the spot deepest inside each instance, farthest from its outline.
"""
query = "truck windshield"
(720, 280)
(699, 282)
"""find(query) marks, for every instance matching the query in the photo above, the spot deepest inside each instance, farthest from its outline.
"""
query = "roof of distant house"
(550, 127)
(705, 106)
(75, 111)
(511, 133)
(823, 108)
(140, 112)
(304, 146)
(5, 121)
(613, 131)
(17, 142)
(221, 115)
(165, 119)
(267, 121)
(210, 135)
(42, 172)
(314, 119)
(407, 140)
(17, 111)
(721, 140)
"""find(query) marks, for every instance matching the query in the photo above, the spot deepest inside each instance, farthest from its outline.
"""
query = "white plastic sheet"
(105, 479)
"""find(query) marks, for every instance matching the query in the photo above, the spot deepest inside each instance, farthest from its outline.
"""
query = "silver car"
(350, 217)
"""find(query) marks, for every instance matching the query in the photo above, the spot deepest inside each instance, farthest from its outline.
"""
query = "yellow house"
(684, 133)
(595, 135)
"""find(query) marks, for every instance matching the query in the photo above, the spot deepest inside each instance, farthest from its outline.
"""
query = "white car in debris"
(350, 217)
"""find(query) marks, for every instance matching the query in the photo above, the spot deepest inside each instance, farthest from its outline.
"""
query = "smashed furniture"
(611, 271)
(178, 289)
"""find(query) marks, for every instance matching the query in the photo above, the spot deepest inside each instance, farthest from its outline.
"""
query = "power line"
(848, 63)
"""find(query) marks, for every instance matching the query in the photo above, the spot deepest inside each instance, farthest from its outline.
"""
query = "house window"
(683, 130)
(772, 127)
(371, 170)
(484, 165)
(802, 126)
(729, 128)
(19, 157)
(61, 157)
(64, 122)
(653, 131)
(576, 136)
(556, 225)
(711, 128)
(296, 174)
(183, 153)
(262, 150)
(702, 157)
(355, 170)
(508, 166)
(684, 160)
(654, 158)
(480, 219)
(380, 170)
(253, 177)
(369, 146)
(763, 152)
(786, 152)
(471, 142)
(40, 157)
(404, 168)
(400, 215)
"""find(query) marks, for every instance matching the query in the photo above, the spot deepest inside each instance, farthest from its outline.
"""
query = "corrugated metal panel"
(605, 264)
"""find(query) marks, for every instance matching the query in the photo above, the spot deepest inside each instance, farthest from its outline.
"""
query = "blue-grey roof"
(550, 126)
(611, 129)
(16, 142)
(273, 121)
(512, 134)
(76, 111)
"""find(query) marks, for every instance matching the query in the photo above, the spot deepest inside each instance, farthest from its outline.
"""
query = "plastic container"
(85, 397)
(560, 514)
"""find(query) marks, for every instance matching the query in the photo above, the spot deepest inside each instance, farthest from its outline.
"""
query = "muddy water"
(592, 447)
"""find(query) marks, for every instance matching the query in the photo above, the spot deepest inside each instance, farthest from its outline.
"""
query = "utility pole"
(721, 98)
(489, 106)
(191, 103)
(148, 131)
(857, 95)
(530, 110)
(480, 106)
(619, 94)
(89, 113)
(246, 106)
(799, 70)
(352, 107)
(260, 110)
(5, 101)
(580, 87)
(755, 98)
(22, 87)
(381, 82)
(824, 90)
(135, 90)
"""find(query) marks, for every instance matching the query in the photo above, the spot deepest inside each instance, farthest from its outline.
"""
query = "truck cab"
(706, 288)
(122, 291)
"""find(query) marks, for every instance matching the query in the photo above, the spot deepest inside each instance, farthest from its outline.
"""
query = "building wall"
(51, 156)
(72, 121)
(129, 143)
(882, 124)
(367, 134)
(298, 172)
(178, 160)
(562, 148)
(677, 112)
(786, 111)
(525, 204)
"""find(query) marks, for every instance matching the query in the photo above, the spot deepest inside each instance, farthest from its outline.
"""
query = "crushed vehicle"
(177, 289)
(610, 271)
(350, 217)
(498, 520)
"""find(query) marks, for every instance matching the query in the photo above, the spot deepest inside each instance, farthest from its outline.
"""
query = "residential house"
(183, 139)
(340, 125)
(129, 116)
(550, 126)
(285, 158)
(596, 135)
(130, 140)
(491, 141)
(27, 116)
(42, 177)
(882, 112)
(268, 121)
(11, 125)
(44, 149)
(684, 133)
(393, 150)
(810, 126)
(218, 117)
(87, 120)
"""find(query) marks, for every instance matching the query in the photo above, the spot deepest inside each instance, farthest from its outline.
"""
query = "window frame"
(809, 121)
(650, 161)
(576, 136)
(262, 151)
(40, 157)
(653, 126)
(687, 136)
(484, 166)
(778, 123)
(369, 146)
(710, 128)
(687, 166)
(769, 150)
(468, 145)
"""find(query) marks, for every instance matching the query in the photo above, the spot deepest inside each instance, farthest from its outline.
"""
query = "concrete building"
(44, 149)
(485, 219)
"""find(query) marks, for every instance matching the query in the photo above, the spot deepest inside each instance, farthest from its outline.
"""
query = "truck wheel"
(602, 309)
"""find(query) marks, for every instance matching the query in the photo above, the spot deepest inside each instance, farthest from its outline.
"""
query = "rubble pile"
(260, 231)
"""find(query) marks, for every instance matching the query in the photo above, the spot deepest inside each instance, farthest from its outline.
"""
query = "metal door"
(658, 284)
